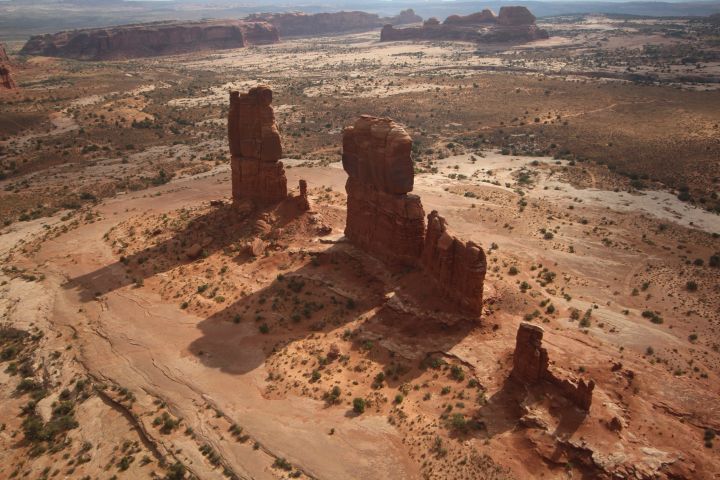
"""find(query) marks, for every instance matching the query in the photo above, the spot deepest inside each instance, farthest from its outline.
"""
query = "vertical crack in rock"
(257, 173)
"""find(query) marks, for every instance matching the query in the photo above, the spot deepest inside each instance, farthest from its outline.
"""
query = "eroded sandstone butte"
(386, 220)
(513, 24)
(257, 173)
(150, 39)
(531, 365)
(301, 24)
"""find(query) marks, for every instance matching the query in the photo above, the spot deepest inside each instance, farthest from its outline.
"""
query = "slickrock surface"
(513, 24)
(531, 366)
(382, 218)
(257, 173)
(459, 267)
(150, 39)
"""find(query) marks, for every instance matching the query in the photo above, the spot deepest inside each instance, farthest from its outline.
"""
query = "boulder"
(194, 251)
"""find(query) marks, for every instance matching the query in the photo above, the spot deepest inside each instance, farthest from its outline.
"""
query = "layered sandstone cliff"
(386, 220)
(257, 174)
(301, 24)
(150, 39)
(513, 24)
(531, 365)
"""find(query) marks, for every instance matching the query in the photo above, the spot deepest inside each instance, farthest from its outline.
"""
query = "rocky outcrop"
(515, 16)
(303, 24)
(531, 365)
(257, 173)
(6, 80)
(459, 267)
(382, 217)
(386, 220)
(477, 18)
(302, 199)
(3, 54)
(513, 24)
(150, 39)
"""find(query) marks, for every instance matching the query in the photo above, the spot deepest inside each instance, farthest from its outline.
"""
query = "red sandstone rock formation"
(150, 39)
(514, 24)
(459, 267)
(477, 18)
(388, 222)
(531, 365)
(514, 16)
(3, 54)
(257, 175)
(381, 217)
(6, 80)
(303, 201)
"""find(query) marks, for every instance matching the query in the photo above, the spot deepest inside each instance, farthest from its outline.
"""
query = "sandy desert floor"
(123, 358)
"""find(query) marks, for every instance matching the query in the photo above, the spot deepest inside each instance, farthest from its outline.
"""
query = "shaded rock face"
(6, 80)
(531, 366)
(289, 24)
(514, 16)
(530, 360)
(459, 267)
(381, 217)
(150, 39)
(387, 221)
(3, 54)
(513, 24)
(257, 173)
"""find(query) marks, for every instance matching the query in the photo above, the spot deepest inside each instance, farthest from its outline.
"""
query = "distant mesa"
(169, 38)
(150, 39)
(478, 18)
(512, 24)
(302, 24)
